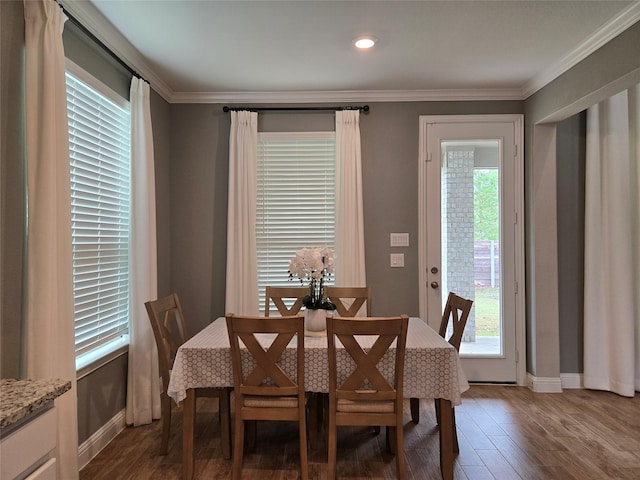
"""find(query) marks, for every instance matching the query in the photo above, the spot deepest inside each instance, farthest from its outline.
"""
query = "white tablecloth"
(432, 366)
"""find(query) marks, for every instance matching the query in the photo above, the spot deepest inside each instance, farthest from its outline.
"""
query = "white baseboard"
(100, 439)
(544, 384)
(571, 380)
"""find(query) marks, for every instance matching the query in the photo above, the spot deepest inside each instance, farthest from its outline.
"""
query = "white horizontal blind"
(295, 201)
(99, 145)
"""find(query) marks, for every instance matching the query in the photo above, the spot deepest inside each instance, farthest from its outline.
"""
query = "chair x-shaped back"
(266, 365)
(456, 311)
(367, 366)
(277, 295)
(349, 300)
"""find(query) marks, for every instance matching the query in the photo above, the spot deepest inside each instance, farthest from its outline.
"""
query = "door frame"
(519, 248)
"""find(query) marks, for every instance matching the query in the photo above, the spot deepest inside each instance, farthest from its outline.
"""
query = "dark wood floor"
(504, 433)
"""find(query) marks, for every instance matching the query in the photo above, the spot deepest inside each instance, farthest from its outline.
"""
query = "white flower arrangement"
(313, 265)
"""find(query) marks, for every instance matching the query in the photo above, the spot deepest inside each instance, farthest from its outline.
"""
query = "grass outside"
(487, 308)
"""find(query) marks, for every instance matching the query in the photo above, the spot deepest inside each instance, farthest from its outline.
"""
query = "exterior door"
(471, 243)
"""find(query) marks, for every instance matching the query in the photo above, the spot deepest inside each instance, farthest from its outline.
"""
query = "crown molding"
(347, 96)
(96, 23)
(625, 19)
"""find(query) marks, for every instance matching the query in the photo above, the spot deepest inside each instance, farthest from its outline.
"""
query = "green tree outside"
(486, 206)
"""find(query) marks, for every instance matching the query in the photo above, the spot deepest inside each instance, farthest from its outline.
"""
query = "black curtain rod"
(95, 39)
(362, 108)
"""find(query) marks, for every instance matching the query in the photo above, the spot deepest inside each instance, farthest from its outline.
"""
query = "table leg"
(414, 404)
(313, 406)
(225, 422)
(446, 438)
(188, 433)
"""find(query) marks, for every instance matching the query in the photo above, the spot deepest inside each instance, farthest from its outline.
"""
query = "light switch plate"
(399, 239)
(397, 259)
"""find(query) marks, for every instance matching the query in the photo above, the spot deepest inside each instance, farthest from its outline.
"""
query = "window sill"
(90, 362)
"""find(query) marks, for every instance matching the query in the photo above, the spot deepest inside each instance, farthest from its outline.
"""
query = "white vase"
(315, 319)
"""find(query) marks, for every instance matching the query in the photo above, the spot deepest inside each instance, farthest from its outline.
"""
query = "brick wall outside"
(457, 234)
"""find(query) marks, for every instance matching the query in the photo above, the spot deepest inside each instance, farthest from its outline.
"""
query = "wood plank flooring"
(504, 433)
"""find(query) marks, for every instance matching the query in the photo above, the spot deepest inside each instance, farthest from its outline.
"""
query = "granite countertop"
(18, 398)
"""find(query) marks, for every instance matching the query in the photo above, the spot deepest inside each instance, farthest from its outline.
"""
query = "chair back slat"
(266, 361)
(349, 300)
(278, 295)
(169, 331)
(366, 364)
(456, 312)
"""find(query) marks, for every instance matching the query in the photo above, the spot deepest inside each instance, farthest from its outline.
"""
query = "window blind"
(295, 201)
(99, 150)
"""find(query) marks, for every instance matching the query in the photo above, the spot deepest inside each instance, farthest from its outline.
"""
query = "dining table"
(432, 371)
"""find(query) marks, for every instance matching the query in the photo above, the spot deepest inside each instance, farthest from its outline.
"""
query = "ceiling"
(198, 51)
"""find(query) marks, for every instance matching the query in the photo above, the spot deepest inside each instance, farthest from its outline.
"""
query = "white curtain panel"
(49, 322)
(242, 270)
(350, 259)
(143, 380)
(612, 252)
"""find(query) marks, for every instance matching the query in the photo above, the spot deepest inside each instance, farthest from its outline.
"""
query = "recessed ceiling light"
(365, 42)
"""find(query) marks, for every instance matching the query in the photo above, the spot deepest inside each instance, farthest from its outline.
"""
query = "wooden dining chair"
(278, 296)
(349, 300)
(264, 391)
(359, 392)
(456, 312)
(170, 331)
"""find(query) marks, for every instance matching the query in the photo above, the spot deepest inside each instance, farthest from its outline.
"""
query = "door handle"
(434, 285)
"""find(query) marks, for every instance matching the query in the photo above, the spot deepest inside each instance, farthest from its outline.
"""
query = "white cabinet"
(45, 472)
(29, 451)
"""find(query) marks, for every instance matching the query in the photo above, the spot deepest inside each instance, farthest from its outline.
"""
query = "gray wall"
(570, 168)
(95, 60)
(160, 119)
(199, 170)
(12, 179)
(610, 69)
(198, 210)
(102, 394)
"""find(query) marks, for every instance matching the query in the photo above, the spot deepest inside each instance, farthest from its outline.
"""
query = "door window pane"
(470, 206)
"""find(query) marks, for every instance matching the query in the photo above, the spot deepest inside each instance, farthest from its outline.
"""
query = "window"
(99, 150)
(295, 200)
